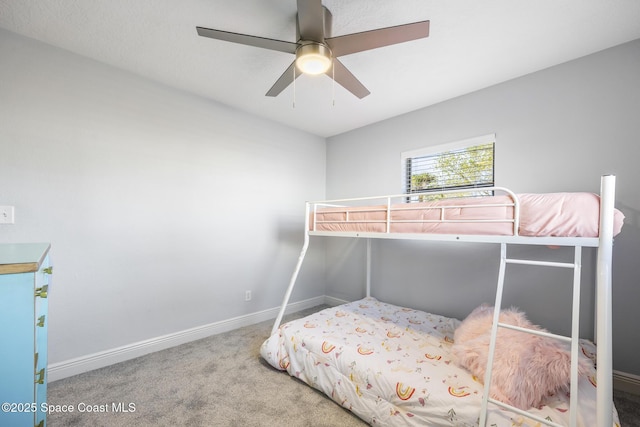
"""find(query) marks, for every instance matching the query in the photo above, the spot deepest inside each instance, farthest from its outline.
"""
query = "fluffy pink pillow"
(526, 367)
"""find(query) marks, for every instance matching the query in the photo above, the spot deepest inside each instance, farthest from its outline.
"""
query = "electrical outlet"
(247, 295)
(7, 215)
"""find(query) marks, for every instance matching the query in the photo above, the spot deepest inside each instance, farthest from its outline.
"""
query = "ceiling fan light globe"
(313, 64)
(313, 58)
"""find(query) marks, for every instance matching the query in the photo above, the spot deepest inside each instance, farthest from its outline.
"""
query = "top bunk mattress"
(533, 215)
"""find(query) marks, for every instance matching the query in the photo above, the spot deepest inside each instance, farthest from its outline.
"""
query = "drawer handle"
(42, 292)
(48, 270)
(40, 376)
(41, 321)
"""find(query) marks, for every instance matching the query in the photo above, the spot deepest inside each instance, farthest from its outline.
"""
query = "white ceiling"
(472, 44)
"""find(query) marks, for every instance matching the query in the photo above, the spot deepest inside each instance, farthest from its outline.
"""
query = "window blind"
(463, 167)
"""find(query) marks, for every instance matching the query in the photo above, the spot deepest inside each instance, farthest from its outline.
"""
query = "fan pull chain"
(294, 87)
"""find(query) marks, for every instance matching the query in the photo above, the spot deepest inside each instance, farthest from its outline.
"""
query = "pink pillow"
(526, 367)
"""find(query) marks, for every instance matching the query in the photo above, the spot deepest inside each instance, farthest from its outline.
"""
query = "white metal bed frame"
(603, 243)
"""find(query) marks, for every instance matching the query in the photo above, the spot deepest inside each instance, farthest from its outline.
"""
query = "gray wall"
(557, 130)
(162, 208)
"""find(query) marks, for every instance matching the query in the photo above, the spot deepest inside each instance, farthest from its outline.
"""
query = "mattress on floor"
(392, 365)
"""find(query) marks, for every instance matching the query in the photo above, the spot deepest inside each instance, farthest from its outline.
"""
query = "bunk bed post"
(294, 276)
(604, 378)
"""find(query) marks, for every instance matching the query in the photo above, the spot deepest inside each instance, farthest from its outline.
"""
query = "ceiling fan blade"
(279, 45)
(343, 76)
(311, 20)
(358, 42)
(285, 80)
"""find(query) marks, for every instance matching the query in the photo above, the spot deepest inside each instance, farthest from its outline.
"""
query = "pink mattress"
(552, 214)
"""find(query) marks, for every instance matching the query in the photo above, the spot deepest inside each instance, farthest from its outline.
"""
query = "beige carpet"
(218, 381)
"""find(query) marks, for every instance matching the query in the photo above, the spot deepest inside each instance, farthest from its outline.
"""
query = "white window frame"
(443, 148)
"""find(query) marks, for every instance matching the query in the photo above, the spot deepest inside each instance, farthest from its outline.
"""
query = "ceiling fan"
(316, 52)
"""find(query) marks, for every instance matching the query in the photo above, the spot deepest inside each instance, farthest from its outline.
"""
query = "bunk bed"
(393, 365)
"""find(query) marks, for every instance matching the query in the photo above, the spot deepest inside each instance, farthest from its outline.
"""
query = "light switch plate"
(7, 215)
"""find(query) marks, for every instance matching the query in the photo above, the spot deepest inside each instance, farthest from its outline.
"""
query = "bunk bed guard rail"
(444, 204)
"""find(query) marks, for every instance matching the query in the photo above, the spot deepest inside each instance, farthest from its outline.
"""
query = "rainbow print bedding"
(392, 366)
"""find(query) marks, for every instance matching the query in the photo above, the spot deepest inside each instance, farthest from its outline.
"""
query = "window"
(460, 165)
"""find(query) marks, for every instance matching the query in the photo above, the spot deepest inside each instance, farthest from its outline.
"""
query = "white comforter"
(393, 366)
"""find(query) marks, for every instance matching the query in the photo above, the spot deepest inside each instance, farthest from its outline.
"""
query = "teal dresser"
(25, 274)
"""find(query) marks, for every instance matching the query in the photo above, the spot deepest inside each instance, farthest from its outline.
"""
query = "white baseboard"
(101, 359)
(626, 382)
(334, 301)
